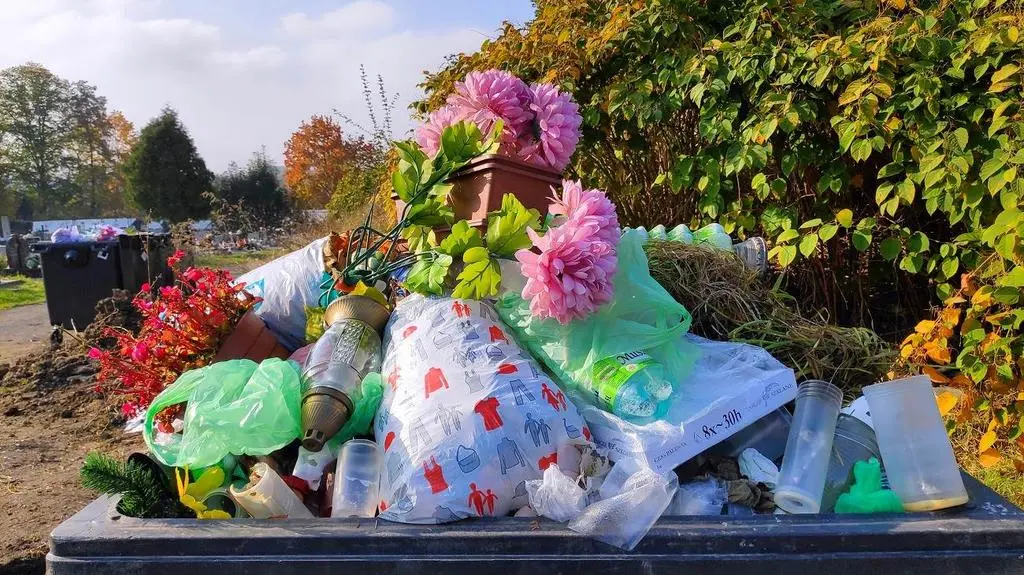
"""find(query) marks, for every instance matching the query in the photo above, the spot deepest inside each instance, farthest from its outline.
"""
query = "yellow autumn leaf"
(989, 458)
(992, 425)
(939, 355)
(987, 441)
(954, 300)
(947, 401)
(897, 4)
(950, 315)
(906, 351)
(934, 374)
(924, 326)
(1018, 464)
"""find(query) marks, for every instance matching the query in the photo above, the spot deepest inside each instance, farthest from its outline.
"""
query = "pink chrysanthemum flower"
(485, 97)
(556, 128)
(589, 207)
(572, 274)
(428, 135)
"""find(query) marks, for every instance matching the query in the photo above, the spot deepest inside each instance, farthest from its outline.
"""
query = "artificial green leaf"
(462, 142)
(428, 275)
(481, 276)
(403, 187)
(787, 235)
(827, 232)
(420, 238)
(430, 213)
(861, 240)
(461, 238)
(411, 153)
(808, 244)
(890, 248)
(506, 228)
(845, 217)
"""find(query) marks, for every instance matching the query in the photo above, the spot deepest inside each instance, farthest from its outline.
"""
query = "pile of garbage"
(523, 361)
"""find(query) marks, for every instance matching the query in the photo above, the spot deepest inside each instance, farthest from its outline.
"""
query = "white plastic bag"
(467, 416)
(556, 496)
(704, 497)
(632, 500)
(287, 285)
(731, 386)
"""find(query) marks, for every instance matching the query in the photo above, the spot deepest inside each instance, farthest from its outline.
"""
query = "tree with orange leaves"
(315, 161)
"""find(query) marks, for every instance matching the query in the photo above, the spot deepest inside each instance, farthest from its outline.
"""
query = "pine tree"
(142, 494)
(164, 174)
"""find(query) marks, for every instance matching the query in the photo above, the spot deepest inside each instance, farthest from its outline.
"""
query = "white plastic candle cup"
(809, 447)
(916, 452)
(356, 480)
(270, 497)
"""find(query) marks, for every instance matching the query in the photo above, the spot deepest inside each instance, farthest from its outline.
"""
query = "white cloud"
(234, 96)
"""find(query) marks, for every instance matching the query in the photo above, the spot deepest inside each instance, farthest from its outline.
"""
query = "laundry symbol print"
(382, 418)
(488, 410)
(388, 439)
(533, 370)
(547, 461)
(393, 379)
(467, 458)
(537, 429)
(421, 351)
(491, 498)
(382, 506)
(402, 501)
(507, 368)
(395, 464)
(487, 312)
(520, 391)
(477, 499)
(473, 382)
(509, 455)
(471, 333)
(433, 381)
(434, 476)
(408, 331)
(444, 515)
(461, 309)
(443, 339)
(557, 401)
(497, 334)
(586, 432)
(571, 430)
(494, 353)
(418, 436)
(448, 419)
(520, 490)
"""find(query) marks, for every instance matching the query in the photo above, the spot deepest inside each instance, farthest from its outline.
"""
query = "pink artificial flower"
(140, 352)
(95, 353)
(428, 135)
(572, 274)
(589, 207)
(557, 124)
(485, 97)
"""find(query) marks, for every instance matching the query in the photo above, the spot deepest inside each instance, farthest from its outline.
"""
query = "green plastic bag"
(238, 407)
(643, 316)
(371, 391)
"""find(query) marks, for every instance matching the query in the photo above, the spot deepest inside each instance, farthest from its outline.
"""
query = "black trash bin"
(77, 275)
(984, 537)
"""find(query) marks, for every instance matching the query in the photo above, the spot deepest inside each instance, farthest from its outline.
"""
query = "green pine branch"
(142, 494)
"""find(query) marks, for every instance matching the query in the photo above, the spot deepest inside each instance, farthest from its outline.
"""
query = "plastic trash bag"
(556, 496)
(287, 285)
(704, 497)
(643, 316)
(467, 417)
(233, 407)
(758, 468)
(632, 500)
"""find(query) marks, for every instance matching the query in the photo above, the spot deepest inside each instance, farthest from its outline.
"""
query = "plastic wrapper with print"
(467, 418)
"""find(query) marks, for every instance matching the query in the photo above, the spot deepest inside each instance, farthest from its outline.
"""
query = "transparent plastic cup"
(356, 480)
(916, 452)
(809, 447)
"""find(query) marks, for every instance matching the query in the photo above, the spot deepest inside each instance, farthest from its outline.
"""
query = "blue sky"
(244, 73)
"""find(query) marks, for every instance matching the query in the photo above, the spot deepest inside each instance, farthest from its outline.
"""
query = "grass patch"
(236, 261)
(28, 292)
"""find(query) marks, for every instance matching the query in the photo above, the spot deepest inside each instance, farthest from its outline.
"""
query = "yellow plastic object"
(372, 293)
(211, 479)
(201, 511)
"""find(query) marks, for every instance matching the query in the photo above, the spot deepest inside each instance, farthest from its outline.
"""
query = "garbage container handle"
(76, 258)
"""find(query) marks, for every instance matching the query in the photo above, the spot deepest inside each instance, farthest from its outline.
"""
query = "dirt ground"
(48, 424)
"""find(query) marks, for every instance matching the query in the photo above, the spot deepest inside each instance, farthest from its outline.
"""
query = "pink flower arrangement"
(589, 207)
(557, 127)
(541, 123)
(569, 271)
